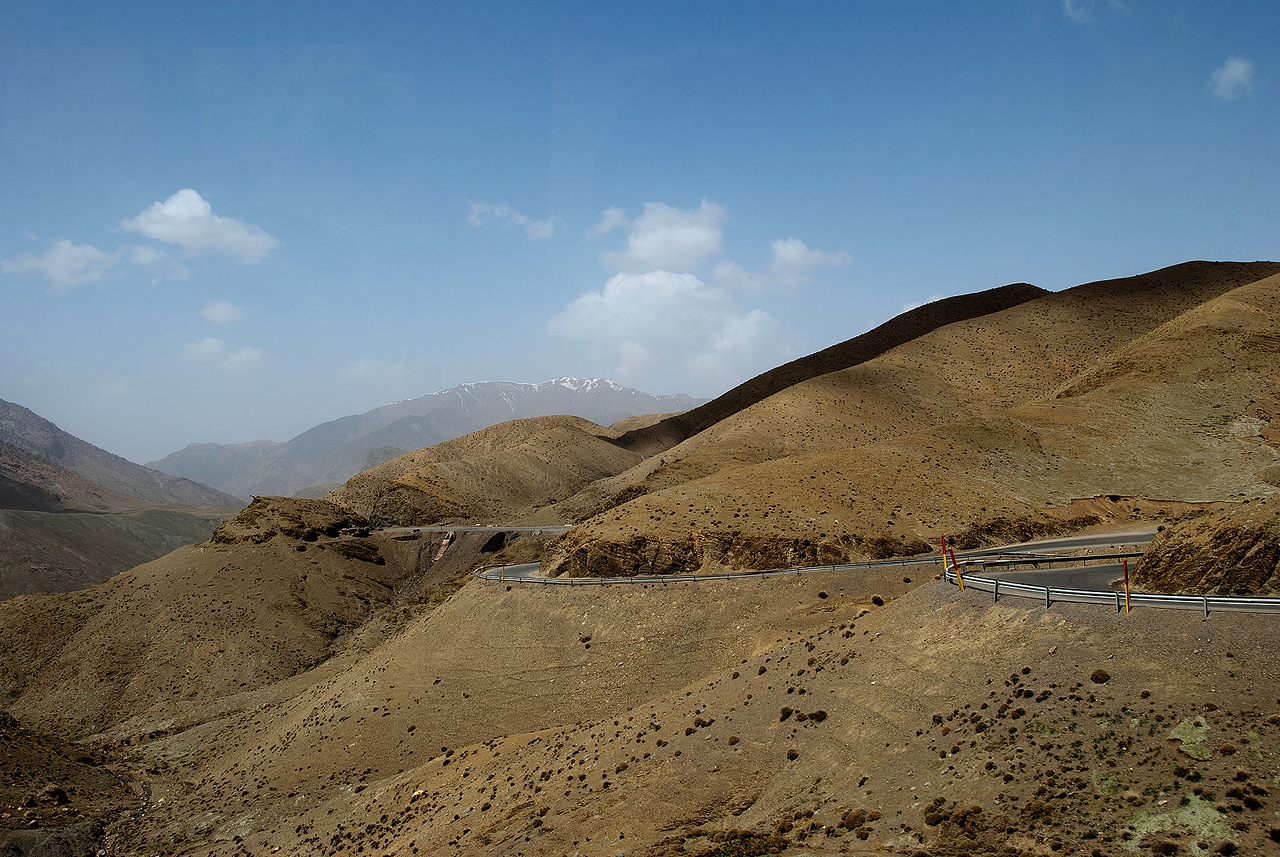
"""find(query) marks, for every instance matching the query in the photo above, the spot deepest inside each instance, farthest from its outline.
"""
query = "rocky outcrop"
(1234, 552)
(1005, 531)
(277, 519)
(581, 555)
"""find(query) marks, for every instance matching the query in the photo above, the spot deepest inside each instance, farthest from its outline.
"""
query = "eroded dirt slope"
(1231, 552)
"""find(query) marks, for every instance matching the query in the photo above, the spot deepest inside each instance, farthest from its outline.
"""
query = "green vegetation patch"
(1198, 817)
(1105, 785)
(1191, 733)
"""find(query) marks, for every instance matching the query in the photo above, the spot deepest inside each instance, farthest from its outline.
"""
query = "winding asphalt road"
(1089, 577)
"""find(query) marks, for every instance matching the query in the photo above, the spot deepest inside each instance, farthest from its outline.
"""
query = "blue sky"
(229, 221)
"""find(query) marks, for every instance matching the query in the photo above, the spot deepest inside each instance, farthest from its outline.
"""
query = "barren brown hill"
(1132, 302)
(205, 623)
(66, 551)
(1023, 348)
(687, 718)
(287, 520)
(487, 476)
(1180, 413)
(972, 367)
(903, 328)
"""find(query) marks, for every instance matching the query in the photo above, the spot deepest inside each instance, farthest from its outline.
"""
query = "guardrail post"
(1126, 586)
(1206, 607)
(997, 592)
(1046, 597)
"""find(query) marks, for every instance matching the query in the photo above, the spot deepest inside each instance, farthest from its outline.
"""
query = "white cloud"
(187, 219)
(113, 389)
(536, 230)
(908, 307)
(392, 378)
(664, 329)
(366, 369)
(612, 218)
(734, 276)
(222, 312)
(65, 265)
(1233, 80)
(243, 358)
(141, 254)
(663, 238)
(792, 260)
(792, 264)
(1080, 11)
(206, 349)
(211, 350)
(745, 346)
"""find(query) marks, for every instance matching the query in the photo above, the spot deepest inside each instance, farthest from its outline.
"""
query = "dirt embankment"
(1230, 552)
(712, 552)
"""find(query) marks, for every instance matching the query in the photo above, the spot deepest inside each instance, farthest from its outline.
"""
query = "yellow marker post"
(956, 567)
(1126, 585)
(502, 577)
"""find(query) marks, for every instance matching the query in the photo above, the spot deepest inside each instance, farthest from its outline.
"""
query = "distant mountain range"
(28, 431)
(73, 515)
(329, 454)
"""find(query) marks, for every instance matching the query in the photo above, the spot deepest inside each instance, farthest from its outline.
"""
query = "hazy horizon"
(228, 223)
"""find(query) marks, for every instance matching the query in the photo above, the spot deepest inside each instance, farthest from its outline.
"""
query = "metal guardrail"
(1044, 559)
(1050, 594)
(1206, 603)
